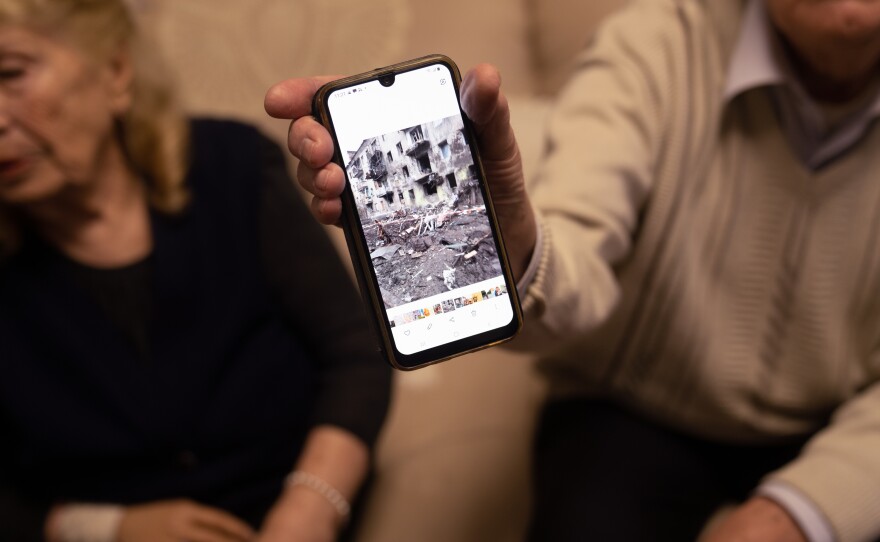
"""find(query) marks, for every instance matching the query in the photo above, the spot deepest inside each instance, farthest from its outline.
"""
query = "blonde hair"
(153, 133)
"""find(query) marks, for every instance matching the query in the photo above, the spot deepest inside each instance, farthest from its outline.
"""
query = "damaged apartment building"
(415, 167)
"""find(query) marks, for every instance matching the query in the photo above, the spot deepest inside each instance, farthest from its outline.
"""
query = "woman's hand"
(301, 515)
(758, 520)
(181, 521)
(485, 105)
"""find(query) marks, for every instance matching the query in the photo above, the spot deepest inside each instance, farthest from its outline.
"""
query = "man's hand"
(310, 142)
(174, 521)
(484, 104)
(758, 520)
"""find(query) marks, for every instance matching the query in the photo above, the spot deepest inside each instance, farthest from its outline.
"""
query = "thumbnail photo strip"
(449, 305)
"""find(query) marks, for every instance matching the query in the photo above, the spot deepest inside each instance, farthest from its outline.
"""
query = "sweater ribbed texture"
(695, 271)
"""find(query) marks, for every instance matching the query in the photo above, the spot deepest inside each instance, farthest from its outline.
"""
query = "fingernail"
(321, 181)
(307, 142)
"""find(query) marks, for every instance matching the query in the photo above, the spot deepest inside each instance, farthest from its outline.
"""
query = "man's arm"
(839, 469)
(835, 483)
(605, 137)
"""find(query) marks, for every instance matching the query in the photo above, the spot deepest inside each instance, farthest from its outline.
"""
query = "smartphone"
(417, 212)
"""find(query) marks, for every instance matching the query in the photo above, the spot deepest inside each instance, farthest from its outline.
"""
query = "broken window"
(377, 166)
(458, 144)
(444, 150)
(424, 163)
(390, 158)
(406, 172)
(452, 182)
(412, 195)
(399, 148)
(430, 189)
(415, 135)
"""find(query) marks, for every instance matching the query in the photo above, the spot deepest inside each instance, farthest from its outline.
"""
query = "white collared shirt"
(817, 133)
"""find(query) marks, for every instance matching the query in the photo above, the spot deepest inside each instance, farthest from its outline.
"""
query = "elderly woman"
(182, 356)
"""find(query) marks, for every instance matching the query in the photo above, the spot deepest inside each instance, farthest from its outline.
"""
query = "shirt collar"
(753, 64)
(758, 61)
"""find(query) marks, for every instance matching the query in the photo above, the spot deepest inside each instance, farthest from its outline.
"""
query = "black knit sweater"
(195, 373)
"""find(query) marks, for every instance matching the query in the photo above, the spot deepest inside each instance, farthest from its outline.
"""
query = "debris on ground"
(384, 252)
(432, 252)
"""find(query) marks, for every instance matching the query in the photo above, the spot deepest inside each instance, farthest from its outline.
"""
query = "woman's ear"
(120, 81)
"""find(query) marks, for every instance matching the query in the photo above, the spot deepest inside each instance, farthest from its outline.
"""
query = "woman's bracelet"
(320, 486)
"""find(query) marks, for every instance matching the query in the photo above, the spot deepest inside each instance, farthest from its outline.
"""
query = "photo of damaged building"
(415, 167)
(422, 211)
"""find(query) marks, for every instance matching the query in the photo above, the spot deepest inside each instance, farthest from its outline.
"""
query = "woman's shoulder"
(230, 165)
(231, 150)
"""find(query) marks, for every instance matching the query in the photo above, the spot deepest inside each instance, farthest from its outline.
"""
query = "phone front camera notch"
(386, 79)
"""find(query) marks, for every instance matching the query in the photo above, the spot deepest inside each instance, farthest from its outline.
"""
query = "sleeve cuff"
(89, 522)
(808, 517)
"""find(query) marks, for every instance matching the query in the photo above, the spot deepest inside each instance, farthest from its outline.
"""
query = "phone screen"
(422, 210)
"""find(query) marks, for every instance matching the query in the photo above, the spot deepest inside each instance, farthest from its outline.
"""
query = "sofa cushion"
(561, 29)
(471, 32)
(226, 53)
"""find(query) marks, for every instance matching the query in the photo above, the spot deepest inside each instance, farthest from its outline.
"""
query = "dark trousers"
(602, 474)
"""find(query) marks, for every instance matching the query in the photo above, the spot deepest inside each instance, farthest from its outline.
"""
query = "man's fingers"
(327, 182)
(309, 141)
(292, 99)
(327, 211)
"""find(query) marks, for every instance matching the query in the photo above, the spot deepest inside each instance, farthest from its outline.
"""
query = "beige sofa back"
(227, 52)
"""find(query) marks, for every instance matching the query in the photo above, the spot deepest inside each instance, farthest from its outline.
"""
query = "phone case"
(357, 244)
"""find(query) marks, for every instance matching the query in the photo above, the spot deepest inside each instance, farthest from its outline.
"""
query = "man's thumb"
(486, 106)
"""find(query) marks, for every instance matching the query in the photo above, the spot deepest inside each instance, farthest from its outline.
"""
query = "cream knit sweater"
(694, 270)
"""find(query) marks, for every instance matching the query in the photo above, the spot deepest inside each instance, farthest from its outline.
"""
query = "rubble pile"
(437, 250)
